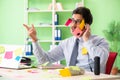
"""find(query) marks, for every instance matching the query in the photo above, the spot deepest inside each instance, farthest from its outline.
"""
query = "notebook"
(11, 56)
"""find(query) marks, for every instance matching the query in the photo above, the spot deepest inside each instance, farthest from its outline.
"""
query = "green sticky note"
(74, 68)
(45, 64)
(86, 78)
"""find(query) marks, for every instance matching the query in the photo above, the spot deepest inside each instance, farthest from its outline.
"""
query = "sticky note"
(32, 71)
(17, 58)
(2, 49)
(77, 32)
(8, 55)
(86, 78)
(68, 22)
(75, 68)
(82, 24)
(18, 51)
(84, 51)
(19, 76)
(0, 59)
(65, 72)
(46, 64)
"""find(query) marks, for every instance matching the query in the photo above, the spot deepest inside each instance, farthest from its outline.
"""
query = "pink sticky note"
(68, 22)
(32, 71)
(77, 32)
(19, 76)
(8, 55)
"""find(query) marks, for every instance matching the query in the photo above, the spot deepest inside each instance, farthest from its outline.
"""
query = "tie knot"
(77, 41)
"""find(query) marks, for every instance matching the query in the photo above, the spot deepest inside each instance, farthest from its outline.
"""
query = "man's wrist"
(34, 40)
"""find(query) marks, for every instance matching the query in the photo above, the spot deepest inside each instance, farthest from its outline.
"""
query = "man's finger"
(26, 27)
(33, 26)
(87, 26)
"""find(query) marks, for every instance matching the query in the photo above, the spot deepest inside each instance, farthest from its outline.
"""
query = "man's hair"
(86, 14)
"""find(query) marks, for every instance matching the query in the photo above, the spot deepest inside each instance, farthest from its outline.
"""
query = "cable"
(89, 64)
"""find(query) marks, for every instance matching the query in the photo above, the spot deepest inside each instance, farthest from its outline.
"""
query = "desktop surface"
(38, 74)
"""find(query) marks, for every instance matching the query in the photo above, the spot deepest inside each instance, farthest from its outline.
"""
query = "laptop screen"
(11, 56)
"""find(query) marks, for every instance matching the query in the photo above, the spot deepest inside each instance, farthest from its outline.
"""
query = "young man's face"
(75, 24)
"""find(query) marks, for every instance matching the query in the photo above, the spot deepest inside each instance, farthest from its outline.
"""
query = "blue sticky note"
(17, 58)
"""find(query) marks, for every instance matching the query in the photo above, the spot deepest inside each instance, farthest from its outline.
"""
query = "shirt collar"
(80, 39)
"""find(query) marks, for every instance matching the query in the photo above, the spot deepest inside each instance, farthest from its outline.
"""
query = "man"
(89, 45)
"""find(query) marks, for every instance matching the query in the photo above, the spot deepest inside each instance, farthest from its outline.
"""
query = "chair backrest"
(110, 62)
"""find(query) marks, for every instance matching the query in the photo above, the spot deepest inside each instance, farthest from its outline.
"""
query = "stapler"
(26, 61)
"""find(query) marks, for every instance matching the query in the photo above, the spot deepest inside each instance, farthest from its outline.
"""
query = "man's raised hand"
(31, 32)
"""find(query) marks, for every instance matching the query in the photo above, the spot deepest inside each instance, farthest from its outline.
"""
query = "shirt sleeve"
(42, 56)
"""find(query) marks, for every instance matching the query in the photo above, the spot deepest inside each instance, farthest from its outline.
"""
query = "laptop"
(11, 56)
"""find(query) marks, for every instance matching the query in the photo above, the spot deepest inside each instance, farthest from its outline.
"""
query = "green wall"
(104, 11)
(11, 20)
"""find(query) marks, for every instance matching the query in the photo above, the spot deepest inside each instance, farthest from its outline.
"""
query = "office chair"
(110, 62)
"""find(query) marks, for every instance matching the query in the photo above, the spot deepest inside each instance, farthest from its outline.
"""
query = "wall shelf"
(42, 15)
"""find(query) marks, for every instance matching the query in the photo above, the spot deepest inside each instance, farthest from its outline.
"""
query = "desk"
(37, 74)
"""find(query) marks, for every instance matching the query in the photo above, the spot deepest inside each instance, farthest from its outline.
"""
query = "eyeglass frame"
(70, 20)
(75, 21)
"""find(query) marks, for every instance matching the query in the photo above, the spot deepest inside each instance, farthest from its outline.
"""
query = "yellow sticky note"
(82, 25)
(2, 49)
(84, 51)
(0, 59)
(65, 72)
(18, 51)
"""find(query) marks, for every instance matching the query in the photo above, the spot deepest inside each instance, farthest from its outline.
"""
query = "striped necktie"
(74, 55)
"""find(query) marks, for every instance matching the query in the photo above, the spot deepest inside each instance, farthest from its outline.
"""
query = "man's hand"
(31, 32)
(87, 33)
